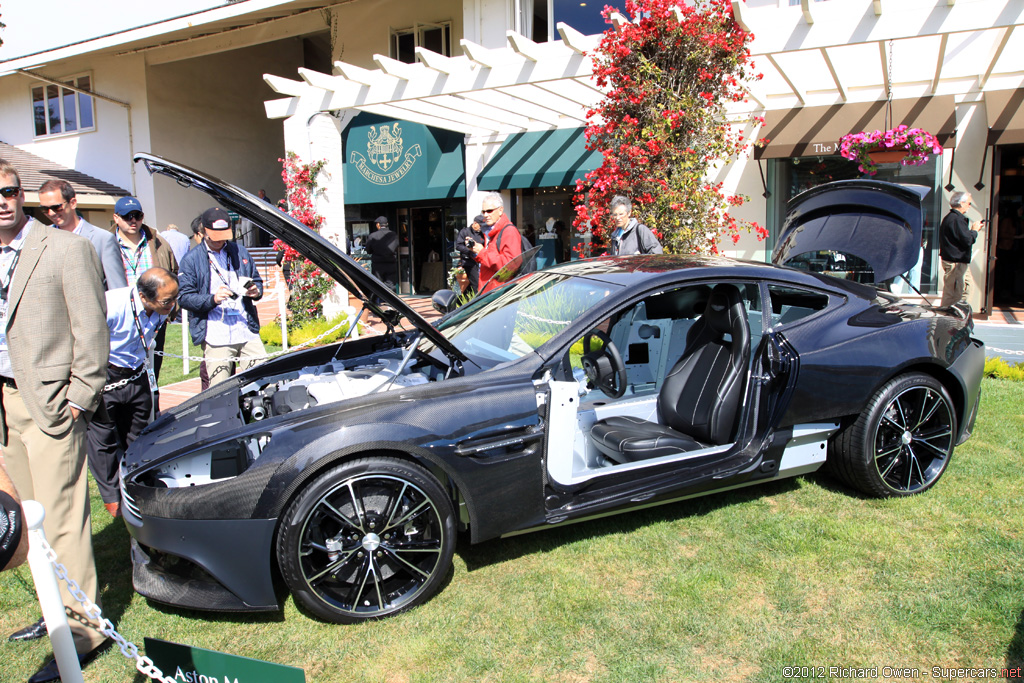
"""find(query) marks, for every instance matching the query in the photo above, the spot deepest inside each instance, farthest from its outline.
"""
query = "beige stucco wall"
(364, 28)
(207, 112)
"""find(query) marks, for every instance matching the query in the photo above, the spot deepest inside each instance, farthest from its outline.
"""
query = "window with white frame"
(57, 110)
(433, 37)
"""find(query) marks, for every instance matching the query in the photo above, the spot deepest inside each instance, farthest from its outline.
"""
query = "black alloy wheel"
(902, 442)
(367, 539)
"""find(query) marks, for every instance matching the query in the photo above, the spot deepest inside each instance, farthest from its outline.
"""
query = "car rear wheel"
(367, 539)
(902, 442)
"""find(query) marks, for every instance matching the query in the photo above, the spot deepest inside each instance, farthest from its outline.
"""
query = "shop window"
(433, 37)
(57, 110)
(789, 177)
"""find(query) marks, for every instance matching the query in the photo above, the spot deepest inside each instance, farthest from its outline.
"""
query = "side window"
(790, 304)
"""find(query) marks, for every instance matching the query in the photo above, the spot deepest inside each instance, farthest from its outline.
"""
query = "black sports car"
(592, 387)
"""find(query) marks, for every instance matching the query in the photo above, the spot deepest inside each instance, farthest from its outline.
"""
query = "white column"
(479, 150)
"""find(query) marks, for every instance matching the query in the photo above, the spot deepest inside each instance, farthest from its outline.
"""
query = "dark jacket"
(468, 258)
(194, 287)
(956, 239)
(382, 246)
(637, 238)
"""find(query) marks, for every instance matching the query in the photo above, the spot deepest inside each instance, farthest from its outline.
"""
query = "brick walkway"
(268, 309)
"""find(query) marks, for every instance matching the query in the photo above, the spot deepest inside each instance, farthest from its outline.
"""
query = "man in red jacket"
(498, 252)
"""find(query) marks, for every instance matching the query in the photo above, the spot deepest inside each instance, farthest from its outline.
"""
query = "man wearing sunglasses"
(53, 356)
(134, 316)
(58, 202)
(142, 248)
(504, 242)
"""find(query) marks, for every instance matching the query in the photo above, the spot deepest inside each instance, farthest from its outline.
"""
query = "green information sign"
(196, 665)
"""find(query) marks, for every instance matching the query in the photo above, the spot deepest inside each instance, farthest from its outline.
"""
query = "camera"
(470, 242)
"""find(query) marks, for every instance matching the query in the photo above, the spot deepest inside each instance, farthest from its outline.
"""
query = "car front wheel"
(902, 442)
(367, 539)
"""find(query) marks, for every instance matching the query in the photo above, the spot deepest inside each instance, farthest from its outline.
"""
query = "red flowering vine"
(308, 284)
(661, 127)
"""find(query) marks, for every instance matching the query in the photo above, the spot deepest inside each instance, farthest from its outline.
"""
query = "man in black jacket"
(469, 236)
(382, 246)
(956, 240)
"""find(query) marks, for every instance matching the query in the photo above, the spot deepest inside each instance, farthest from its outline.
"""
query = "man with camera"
(956, 241)
(220, 286)
(469, 237)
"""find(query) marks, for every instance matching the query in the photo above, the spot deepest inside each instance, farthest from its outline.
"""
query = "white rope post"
(282, 311)
(184, 342)
(48, 593)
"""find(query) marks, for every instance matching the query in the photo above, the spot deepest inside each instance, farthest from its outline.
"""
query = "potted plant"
(457, 279)
(909, 146)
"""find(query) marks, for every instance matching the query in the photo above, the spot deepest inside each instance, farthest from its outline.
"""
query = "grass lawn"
(732, 587)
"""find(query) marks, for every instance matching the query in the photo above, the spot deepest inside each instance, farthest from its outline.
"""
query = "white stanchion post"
(282, 311)
(48, 593)
(184, 342)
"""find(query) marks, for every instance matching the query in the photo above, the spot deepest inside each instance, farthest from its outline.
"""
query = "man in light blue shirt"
(134, 316)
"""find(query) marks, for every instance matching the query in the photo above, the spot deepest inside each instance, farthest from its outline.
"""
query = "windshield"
(512, 321)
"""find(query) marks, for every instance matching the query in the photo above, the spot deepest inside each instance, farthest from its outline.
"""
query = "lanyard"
(216, 267)
(138, 326)
(138, 256)
(5, 280)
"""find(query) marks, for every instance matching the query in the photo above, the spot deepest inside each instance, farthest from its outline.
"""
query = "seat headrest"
(724, 310)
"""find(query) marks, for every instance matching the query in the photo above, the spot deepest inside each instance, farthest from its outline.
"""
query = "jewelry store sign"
(185, 664)
(384, 163)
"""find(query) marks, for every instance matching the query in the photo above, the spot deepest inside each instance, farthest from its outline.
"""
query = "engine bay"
(335, 381)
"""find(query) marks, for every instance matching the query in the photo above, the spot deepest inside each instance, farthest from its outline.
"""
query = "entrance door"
(1006, 244)
(422, 267)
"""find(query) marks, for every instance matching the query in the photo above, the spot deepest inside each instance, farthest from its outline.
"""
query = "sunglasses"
(133, 216)
(485, 211)
(9, 191)
(53, 209)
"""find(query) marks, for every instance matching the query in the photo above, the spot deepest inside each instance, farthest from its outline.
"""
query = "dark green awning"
(552, 158)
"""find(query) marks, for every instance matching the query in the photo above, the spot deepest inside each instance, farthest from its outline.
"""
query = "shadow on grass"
(504, 549)
(1015, 652)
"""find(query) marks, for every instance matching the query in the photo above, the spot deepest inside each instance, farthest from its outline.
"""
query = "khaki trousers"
(221, 369)
(51, 470)
(954, 283)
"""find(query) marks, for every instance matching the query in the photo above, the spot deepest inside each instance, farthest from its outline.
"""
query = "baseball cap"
(125, 205)
(383, 220)
(217, 223)
(479, 220)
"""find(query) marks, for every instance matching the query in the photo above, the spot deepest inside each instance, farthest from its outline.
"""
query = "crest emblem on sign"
(384, 147)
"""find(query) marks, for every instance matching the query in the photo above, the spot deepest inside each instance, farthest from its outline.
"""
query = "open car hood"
(328, 257)
(876, 221)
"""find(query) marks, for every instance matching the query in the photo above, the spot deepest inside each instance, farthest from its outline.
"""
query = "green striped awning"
(552, 158)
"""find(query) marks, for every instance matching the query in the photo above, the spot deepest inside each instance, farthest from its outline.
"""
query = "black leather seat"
(701, 395)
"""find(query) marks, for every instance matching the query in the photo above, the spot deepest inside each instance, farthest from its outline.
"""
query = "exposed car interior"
(687, 355)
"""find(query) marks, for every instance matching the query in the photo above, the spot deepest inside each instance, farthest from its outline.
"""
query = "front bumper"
(220, 565)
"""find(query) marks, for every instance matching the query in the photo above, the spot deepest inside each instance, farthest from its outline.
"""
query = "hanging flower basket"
(909, 146)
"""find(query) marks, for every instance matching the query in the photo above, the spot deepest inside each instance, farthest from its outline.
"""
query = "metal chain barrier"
(143, 664)
(1008, 352)
(123, 382)
(235, 359)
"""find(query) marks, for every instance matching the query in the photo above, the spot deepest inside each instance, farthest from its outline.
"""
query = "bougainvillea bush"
(668, 74)
(308, 284)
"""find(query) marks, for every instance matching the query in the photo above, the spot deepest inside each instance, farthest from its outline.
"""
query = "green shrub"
(271, 332)
(1000, 369)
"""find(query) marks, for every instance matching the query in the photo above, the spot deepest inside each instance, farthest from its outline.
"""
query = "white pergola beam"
(618, 20)
(576, 41)
(395, 111)
(393, 67)
(939, 62)
(805, 9)
(523, 46)
(983, 81)
(358, 74)
(792, 86)
(435, 61)
(480, 54)
(877, 5)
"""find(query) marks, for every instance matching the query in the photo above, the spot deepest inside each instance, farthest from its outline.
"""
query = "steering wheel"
(604, 367)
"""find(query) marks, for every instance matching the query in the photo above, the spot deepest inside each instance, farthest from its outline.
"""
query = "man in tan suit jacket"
(54, 346)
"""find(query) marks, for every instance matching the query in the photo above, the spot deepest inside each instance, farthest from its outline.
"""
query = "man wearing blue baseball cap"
(142, 248)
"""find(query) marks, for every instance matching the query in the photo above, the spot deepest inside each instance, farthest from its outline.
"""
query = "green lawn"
(172, 370)
(732, 587)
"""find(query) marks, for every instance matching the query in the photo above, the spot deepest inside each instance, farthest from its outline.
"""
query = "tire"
(902, 442)
(367, 539)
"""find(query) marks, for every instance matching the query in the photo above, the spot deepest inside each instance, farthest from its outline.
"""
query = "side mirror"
(444, 301)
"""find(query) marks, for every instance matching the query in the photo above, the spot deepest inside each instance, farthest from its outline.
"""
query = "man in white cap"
(220, 286)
